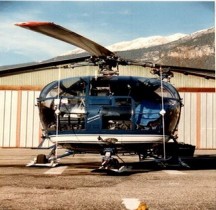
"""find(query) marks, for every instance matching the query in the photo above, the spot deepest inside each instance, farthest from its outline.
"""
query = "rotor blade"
(205, 73)
(208, 74)
(24, 68)
(63, 34)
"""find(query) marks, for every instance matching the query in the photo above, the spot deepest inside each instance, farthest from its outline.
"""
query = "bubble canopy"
(135, 87)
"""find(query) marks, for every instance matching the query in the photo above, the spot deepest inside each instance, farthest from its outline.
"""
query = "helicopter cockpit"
(129, 104)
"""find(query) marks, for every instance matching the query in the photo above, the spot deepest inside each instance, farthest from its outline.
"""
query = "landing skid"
(52, 164)
(172, 156)
(110, 160)
(52, 160)
(128, 169)
(123, 169)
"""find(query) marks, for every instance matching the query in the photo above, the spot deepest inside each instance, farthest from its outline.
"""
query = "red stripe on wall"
(196, 90)
(25, 87)
(198, 120)
(18, 126)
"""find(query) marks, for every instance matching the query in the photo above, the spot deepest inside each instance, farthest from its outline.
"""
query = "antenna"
(57, 111)
(162, 113)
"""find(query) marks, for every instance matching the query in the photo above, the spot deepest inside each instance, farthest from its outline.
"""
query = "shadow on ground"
(200, 162)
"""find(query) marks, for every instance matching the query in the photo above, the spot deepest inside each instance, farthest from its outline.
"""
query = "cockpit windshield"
(65, 88)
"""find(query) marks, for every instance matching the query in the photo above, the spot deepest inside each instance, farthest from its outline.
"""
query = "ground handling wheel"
(41, 159)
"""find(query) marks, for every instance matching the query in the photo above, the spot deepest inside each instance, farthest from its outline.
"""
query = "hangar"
(19, 119)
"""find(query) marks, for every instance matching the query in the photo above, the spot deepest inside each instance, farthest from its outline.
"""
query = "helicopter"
(108, 114)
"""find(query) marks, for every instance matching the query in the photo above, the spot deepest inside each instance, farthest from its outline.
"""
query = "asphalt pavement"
(75, 184)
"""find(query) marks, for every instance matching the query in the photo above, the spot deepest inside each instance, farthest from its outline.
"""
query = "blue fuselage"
(103, 105)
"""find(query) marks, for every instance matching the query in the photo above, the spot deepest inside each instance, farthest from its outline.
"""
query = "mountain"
(195, 50)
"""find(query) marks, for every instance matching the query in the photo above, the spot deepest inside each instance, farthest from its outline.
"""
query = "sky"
(105, 22)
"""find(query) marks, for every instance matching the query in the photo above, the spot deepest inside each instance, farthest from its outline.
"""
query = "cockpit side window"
(67, 87)
(73, 87)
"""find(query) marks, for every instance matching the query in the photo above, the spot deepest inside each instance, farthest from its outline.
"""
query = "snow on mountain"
(199, 33)
(144, 42)
(138, 43)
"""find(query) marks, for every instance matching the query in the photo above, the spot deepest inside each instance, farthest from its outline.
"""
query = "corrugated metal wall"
(208, 120)
(20, 127)
(19, 119)
(8, 119)
(198, 120)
